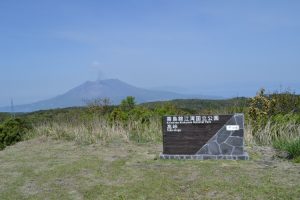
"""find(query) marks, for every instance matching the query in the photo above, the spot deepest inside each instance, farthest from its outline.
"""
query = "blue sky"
(223, 48)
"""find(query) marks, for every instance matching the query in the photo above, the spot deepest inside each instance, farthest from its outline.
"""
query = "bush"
(274, 116)
(167, 109)
(287, 118)
(290, 146)
(118, 115)
(264, 106)
(285, 102)
(297, 160)
(128, 104)
(260, 108)
(12, 131)
(99, 106)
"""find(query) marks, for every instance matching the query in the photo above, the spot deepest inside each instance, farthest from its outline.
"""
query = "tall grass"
(290, 146)
(283, 136)
(271, 132)
(98, 130)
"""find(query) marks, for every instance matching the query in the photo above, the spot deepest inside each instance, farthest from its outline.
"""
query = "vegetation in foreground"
(271, 119)
(110, 152)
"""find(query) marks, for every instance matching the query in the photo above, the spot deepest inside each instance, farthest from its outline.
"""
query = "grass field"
(43, 168)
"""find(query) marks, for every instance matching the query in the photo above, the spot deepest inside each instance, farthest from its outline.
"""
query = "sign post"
(204, 137)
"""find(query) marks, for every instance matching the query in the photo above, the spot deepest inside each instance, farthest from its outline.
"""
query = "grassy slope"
(49, 169)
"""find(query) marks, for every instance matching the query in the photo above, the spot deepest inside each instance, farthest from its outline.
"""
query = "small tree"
(128, 104)
(99, 105)
(123, 112)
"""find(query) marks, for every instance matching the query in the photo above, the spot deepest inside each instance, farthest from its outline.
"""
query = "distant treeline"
(206, 106)
(286, 102)
(188, 106)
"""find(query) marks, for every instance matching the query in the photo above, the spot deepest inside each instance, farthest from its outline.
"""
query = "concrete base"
(243, 156)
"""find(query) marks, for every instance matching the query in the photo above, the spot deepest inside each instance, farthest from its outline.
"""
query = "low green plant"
(12, 131)
(292, 147)
(297, 160)
(286, 118)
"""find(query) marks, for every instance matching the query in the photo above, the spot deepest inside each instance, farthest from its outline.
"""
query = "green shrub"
(297, 160)
(1, 136)
(274, 118)
(285, 102)
(118, 115)
(260, 108)
(167, 109)
(12, 131)
(285, 118)
(128, 104)
(140, 114)
(122, 113)
(290, 146)
(99, 106)
(263, 106)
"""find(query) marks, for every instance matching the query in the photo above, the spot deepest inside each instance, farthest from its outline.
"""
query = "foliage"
(12, 131)
(102, 108)
(99, 106)
(285, 118)
(127, 104)
(128, 111)
(285, 102)
(264, 106)
(205, 106)
(4, 116)
(118, 115)
(57, 115)
(140, 114)
(272, 116)
(297, 159)
(261, 107)
(266, 135)
(269, 118)
(167, 108)
(290, 146)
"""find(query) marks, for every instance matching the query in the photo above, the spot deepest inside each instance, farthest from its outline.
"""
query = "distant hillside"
(203, 104)
(113, 89)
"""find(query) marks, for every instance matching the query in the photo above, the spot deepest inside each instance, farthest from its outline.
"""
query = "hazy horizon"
(213, 48)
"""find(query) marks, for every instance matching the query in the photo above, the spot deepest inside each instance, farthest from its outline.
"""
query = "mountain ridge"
(114, 89)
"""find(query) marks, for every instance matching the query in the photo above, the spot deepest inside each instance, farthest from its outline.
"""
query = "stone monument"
(204, 137)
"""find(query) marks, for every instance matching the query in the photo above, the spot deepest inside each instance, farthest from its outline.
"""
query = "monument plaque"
(204, 137)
